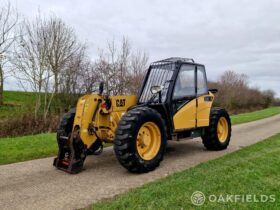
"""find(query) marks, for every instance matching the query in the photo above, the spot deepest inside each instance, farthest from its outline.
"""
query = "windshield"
(159, 75)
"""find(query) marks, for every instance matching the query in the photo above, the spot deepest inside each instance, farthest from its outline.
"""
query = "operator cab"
(175, 78)
(175, 86)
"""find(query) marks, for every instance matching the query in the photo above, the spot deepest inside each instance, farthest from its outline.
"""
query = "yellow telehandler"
(174, 102)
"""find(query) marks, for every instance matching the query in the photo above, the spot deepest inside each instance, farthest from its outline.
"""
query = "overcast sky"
(243, 36)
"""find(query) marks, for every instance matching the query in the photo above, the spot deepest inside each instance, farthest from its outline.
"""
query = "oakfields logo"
(198, 198)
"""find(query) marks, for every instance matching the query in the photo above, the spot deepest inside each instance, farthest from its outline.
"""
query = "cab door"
(204, 98)
(191, 101)
(184, 98)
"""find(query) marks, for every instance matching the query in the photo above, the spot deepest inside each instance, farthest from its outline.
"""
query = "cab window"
(185, 83)
(201, 81)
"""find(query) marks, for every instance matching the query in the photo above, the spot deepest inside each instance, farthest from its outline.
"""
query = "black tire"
(66, 124)
(65, 129)
(63, 132)
(126, 136)
(210, 139)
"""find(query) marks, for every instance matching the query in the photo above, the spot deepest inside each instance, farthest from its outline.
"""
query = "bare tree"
(49, 60)
(233, 89)
(268, 96)
(63, 47)
(137, 70)
(72, 71)
(89, 78)
(8, 22)
(121, 68)
(237, 96)
(106, 67)
(30, 64)
(123, 65)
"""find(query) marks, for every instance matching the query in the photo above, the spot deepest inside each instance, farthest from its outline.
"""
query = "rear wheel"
(217, 135)
(140, 140)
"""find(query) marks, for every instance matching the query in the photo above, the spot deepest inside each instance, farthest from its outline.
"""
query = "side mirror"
(101, 88)
(156, 89)
(213, 90)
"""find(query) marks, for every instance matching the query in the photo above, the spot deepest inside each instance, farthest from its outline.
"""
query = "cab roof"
(172, 60)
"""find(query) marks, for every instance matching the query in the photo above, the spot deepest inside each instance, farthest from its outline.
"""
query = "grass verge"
(16, 103)
(27, 148)
(251, 171)
(31, 147)
(257, 115)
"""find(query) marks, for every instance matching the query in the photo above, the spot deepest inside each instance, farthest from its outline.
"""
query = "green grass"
(16, 103)
(19, 97)
(253, 170)
(31, 147)
(257, 115)
(27, 148)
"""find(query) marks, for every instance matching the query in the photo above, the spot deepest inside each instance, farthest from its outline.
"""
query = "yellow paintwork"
(105, 121)
(186, 116)
(148, 141)
(84, 112)
(194, 114)
(222, 129)
(203, 110)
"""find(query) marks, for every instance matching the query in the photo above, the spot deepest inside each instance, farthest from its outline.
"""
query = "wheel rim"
(222, 129)
(148, 141)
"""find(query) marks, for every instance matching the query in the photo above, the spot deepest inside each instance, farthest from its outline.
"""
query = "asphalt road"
(37, 184)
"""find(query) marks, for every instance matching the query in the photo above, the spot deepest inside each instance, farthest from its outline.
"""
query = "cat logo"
(120, 102)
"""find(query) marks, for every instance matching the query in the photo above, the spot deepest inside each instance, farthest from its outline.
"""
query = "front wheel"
(140, 140)
(217, 135)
